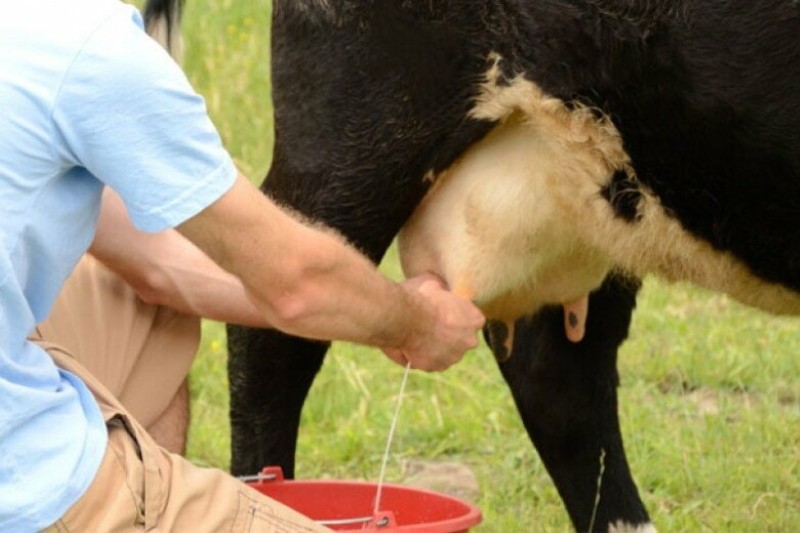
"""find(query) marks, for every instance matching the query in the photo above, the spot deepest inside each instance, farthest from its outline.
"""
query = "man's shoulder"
(58, 27)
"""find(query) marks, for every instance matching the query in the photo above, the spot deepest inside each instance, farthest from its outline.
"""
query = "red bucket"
(348, 505)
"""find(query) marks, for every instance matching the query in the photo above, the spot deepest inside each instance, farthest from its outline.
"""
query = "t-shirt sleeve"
(126, 112)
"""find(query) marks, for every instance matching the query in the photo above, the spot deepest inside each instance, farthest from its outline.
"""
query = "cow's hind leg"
(567, 396)
(270, 374)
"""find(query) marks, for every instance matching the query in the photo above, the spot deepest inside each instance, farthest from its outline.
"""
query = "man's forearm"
(167, 269)
(306, 281)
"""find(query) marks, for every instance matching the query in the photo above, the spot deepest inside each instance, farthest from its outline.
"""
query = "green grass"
(710, 393)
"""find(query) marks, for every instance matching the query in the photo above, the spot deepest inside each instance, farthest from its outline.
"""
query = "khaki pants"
(143, 354)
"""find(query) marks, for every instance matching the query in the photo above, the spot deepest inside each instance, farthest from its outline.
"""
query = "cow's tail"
(162, 19)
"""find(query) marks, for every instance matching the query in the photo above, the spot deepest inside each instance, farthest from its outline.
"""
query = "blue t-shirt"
(86, 99)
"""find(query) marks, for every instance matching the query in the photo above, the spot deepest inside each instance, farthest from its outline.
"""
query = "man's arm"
(310, 283)
(166, 269)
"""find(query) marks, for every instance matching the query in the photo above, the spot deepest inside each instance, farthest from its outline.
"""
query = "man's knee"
(171, 428)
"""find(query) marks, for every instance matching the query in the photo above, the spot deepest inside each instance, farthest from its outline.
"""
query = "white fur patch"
(519, 220)
(623, 527)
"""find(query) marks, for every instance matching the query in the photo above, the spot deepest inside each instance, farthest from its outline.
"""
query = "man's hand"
(452, 331)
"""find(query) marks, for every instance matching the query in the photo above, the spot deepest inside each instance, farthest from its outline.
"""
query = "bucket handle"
(269, 473)
(380, 520)
(383, 519)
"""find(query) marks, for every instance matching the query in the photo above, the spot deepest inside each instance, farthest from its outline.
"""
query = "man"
(89, 100)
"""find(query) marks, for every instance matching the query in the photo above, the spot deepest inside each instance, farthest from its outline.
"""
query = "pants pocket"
(256, 514)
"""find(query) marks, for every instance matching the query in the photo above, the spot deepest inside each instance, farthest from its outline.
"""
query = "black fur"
(624, 196)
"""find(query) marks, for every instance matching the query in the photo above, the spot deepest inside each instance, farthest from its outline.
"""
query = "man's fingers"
(575, 314)
(454, 327)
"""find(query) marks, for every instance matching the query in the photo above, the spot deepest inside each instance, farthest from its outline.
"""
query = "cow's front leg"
(567, 396)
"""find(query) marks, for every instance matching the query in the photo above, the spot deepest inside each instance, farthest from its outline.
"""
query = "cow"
(638, 136)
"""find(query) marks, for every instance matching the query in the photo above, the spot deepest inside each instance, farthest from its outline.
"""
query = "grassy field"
(710, 394)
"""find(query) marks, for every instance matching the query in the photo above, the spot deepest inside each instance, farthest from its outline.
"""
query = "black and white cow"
(571, 147)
